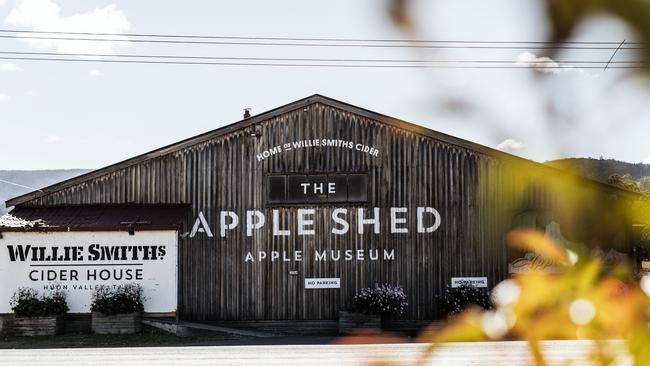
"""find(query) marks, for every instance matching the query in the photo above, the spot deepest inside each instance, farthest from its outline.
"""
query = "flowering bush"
(26, 302)
(457, 299)
(123, 299)
(382, 300)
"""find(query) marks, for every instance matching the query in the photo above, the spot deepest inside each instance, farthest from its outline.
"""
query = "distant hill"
(601, 169)
(12, 180)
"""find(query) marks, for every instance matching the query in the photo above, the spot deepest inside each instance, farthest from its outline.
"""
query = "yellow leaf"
(535, 241)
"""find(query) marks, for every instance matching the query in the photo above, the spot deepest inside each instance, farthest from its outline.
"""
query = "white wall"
(157, 276)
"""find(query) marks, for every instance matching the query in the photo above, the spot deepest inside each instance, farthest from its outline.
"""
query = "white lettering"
(321, 256)
(304, 187)
(222, 221)
(201, 226)
(436, 223)
(373, 221)
(276, 225)
(250, 224)
(303, 222)
(394, 220)
(345, 227)
(399, 220)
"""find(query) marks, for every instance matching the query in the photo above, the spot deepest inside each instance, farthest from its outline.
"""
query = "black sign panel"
(317, 188)
(340, 194)
(294, 185)
(357, 188)
(277, 190)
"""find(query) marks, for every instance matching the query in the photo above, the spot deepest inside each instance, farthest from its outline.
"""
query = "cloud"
(94, 73)
(52, 139)
(646, 160)
(541, 64)
(45, 15)
(10, 67)
(510, 145)
(4, 97)
(2, 2)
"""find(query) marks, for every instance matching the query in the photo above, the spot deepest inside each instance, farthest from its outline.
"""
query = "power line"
(347, 45)
(614, 54)
(310, 59)
(572, 62)
(18, 185)
(523, 66)
(153, 35)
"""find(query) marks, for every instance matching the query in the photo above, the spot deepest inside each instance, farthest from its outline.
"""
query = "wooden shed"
(294, 210)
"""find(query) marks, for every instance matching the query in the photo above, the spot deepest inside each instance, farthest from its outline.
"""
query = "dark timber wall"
(476, 193)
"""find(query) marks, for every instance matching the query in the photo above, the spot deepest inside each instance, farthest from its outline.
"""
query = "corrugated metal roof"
(94, 218)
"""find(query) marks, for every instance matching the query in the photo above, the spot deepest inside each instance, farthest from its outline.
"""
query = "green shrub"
(457, 299)
(122, 299)
(26, 302)
(384, 300)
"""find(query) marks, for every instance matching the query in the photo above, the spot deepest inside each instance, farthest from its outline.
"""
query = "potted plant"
(117, 309)
(38, 316)
(370, 306)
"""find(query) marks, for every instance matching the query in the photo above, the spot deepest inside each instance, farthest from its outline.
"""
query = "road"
(456, 354)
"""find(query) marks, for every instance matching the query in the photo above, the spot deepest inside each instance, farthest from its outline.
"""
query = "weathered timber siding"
(475, 193)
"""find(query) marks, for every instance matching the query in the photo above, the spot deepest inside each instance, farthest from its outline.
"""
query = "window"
(317, 188)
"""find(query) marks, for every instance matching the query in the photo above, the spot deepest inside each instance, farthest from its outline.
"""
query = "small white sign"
(469, 281)
(311, 283)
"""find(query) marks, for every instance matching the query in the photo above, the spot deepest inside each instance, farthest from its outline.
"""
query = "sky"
(88, 115)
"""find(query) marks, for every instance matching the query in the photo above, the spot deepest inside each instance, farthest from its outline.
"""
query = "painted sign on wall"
(315, 144)
(78, 262)
(480, 282)
(315, 283)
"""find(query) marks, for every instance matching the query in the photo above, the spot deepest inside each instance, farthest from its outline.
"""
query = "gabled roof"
(314, 99)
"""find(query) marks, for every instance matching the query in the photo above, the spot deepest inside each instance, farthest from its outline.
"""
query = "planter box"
(116, 324)
(351, 322)
(37, 326)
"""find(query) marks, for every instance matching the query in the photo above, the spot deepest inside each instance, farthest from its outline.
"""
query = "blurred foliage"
(399, 13)
(601, 169)
(639, 211)
(585, 301)
(644, 183)
(625, 182)
(564, 17)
